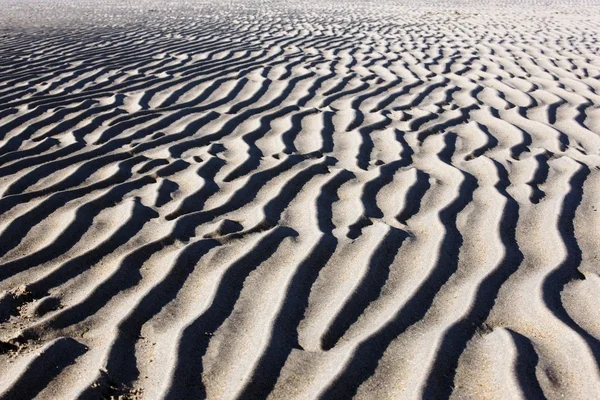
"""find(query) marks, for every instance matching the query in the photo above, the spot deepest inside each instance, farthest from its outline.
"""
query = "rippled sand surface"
(299, 200)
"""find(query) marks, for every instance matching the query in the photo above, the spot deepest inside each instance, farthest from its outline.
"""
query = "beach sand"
(299, 200)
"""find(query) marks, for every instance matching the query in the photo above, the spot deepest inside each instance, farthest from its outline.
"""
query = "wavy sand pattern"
(323, 199)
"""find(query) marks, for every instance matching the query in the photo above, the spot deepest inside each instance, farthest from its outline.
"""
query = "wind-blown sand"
(299, 200)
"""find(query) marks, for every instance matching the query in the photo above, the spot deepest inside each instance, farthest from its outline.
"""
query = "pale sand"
(299, 200)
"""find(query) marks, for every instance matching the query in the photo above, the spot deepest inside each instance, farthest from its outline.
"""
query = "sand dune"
(312, 199)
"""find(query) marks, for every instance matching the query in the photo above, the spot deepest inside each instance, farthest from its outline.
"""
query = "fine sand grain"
(299, 199)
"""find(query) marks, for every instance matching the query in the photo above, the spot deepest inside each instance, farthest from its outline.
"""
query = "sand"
(299, 200)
